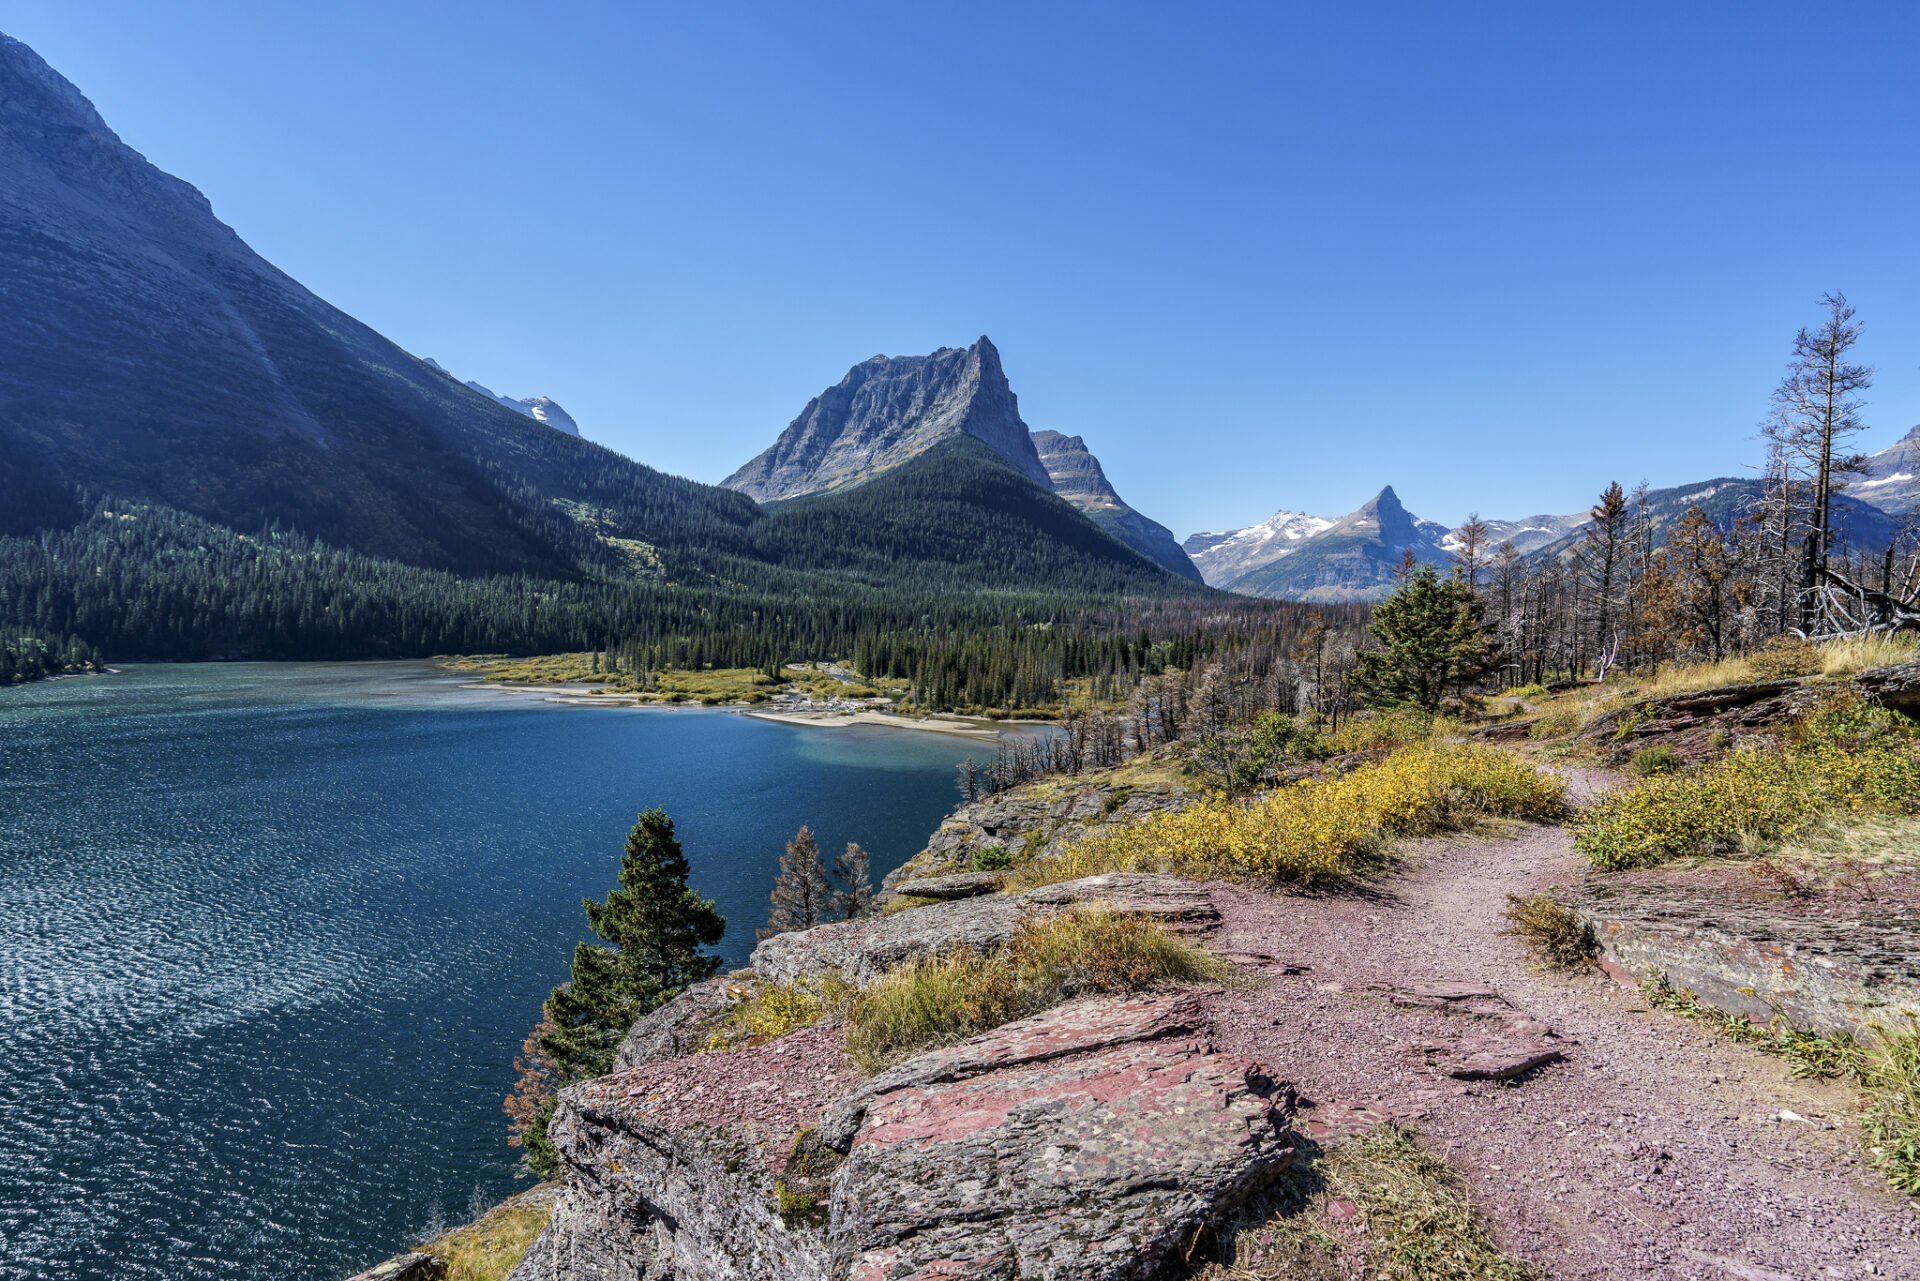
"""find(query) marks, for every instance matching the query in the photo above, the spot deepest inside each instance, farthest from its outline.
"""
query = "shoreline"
(816, 717)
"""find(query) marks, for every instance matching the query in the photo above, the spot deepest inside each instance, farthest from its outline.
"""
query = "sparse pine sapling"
(855, 871)
(802, 896)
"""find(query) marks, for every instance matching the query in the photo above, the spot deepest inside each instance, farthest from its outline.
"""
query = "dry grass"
(1871, 844)
(1415, 1222)
(1319, 830)
(1855, 654)
(1089, 948)
(489, 1247)
(1553, 932)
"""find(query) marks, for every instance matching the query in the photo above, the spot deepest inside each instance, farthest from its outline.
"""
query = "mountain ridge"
(1078, 477)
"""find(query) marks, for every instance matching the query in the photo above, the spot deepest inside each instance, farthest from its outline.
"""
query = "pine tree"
(801, 895)
(656, 926)
(1432, 634)
(855, 871)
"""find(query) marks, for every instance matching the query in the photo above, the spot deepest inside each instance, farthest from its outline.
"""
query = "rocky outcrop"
(1079, 478)
(1812, 962)
(887, 410)
(959, 885)
(1485, 1037)
(861, 950)
(1091, 1142)
(1026, 820)
(416, 1266)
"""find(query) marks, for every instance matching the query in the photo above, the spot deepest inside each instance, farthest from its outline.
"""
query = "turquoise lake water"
(270, 936)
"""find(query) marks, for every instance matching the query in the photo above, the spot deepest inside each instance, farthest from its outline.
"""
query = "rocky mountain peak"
(1077, 476)
(887, 410)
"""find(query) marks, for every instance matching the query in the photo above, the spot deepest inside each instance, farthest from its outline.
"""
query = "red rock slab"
(1040, 1160)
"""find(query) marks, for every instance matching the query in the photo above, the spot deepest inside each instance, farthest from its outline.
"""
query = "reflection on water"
(270, 935)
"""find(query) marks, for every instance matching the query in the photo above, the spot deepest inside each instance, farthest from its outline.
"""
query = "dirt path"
(1654, 1149)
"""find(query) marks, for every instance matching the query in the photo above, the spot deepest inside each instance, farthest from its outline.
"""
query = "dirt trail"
(1653, 1149)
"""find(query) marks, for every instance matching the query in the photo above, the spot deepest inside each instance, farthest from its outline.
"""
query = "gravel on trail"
(1652, 1148)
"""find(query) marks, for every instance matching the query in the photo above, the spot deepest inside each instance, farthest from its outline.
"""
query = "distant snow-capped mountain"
(538, 408)
(1223, 557)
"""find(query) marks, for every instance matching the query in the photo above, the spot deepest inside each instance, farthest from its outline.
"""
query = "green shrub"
(1392, 727)
(1651, 762)
(1845, 758)
(1561, 724)
(1535, 690)
(944, 999)
(992, 858)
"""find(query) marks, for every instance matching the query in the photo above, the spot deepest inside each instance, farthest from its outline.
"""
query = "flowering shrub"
(1844, 757)
(1319, 829)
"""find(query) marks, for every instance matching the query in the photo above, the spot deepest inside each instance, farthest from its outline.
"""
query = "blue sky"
(1259, 255)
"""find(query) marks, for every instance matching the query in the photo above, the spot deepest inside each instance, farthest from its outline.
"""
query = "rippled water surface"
(271, 934)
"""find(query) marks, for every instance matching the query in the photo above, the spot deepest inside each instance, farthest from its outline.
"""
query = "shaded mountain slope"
(151, 353)
(958, 515)
(1078, 477)
(1726, 499)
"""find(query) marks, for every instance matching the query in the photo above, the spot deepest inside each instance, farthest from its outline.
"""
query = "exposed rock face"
(1893, 477)
(862, 950)
(890, 409)
(1355, 558)
(417, 1266)
(1037, 815)
(1827, 971)
(1489, 1039)
(959, 885)
(1090, 1142)
(1078, 477)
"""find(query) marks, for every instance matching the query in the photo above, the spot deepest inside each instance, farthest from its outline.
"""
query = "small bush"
(1891, 1074)
(1318, 829)
(944, 999)
(775, 1009)
(1756, 796)
(1555, 933)
(992, 858)
(1784, 657)
(1392, 727)
(1651, 762)
(1534, 690)
(1561, 724)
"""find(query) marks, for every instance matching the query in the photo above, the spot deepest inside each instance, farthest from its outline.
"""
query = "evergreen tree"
(656, 926)
(1432, 634)
(802, 897)
(855, 871)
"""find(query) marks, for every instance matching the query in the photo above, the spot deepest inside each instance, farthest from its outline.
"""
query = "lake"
(271, 934)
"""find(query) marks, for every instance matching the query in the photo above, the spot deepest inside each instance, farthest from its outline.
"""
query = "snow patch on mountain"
(538, 408)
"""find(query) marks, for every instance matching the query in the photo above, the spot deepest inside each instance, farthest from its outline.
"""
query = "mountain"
(1526, 534)
(150, 354)
(890, 409)
(1352, 559)
(538, 408)
(1726, 499)
(1892, 482)
(1223, 557)
(1077, 476)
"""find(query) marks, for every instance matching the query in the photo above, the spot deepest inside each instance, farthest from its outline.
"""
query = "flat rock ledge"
(959, 885)
(1820, 973)
(860, 951)
(1089, 1143)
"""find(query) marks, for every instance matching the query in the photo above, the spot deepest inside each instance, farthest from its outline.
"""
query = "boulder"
(681, 1026)
(959, 885)
(1482, 1036)
(1090, 1142)
(864, 949)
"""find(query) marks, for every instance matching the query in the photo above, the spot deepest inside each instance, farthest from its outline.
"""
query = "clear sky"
(1259, 255)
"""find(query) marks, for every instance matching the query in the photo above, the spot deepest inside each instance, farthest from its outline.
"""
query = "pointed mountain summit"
(890, 409)
(1079, 478)
(1352, 559)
